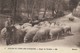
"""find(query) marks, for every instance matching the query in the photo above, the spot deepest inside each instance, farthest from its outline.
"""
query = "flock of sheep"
(39, 32)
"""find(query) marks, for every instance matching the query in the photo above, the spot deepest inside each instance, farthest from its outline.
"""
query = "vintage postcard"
(39, 26)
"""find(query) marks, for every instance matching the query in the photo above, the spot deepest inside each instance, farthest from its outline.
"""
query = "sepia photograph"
(40, 25)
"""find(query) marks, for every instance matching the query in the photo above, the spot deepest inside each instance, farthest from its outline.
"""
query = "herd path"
(68, 41)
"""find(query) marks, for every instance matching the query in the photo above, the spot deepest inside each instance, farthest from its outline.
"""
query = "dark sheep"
(20, 36)
(17, 35)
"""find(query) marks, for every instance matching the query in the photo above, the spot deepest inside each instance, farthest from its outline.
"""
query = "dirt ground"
(67, 41)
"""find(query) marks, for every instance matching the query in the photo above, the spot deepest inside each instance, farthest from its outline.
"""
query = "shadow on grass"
(69, 34)
(50, 40)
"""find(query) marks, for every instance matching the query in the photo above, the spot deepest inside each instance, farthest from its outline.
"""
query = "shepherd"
(8, 25)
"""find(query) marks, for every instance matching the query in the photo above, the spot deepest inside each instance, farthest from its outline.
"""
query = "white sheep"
(41, 34)
(67, 29)
(3, 32)
(17, 26)
(25, 25)
(30, 34)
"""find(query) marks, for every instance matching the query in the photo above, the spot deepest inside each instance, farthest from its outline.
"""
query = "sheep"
(20, 35)
(55, 32)
(46, 23)
(15, 34)
(25, 25)
(26, 28)
(35, 22)
(41, 34)
(3, 32)
(37, 26)
(67, 29)
(30, 34)
(17, 26)
(41, 24)
(52, 25)
(7, 35)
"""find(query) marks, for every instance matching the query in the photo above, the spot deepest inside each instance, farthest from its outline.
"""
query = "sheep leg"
(46, 37)
(51, 36)
(62, 32)
(17, 40)
(38, 40)
(70, 30)
(58, 36)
